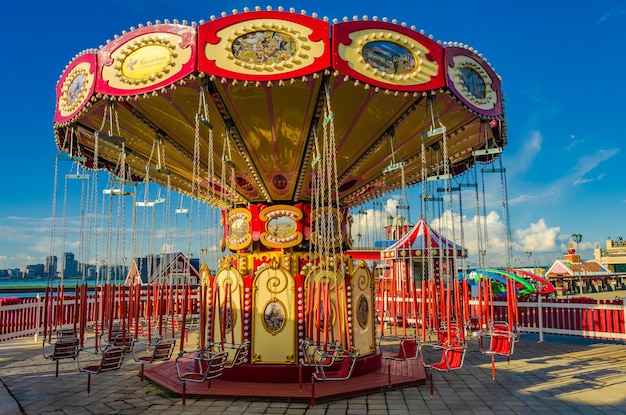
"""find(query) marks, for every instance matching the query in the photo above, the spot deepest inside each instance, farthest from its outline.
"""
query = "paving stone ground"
(561, 375)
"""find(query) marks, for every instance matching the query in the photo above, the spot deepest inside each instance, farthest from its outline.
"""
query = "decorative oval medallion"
(389, 57)
(281, 226)
(146, 61)
(274, 316)
(473, 82)
(264, 47)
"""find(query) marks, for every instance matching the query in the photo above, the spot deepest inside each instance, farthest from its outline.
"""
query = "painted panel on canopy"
(146, 59)
(473, 81)
(263, 45)
(273, 123)
(75, 87)
(387, 55)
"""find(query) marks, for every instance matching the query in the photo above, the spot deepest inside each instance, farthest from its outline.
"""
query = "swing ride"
(284, 122)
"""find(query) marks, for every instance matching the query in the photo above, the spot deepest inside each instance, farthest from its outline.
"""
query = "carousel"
(283, 122)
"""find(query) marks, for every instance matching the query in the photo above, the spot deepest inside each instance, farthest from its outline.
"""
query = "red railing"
(584, 317)
(25, 316)
(573, 317)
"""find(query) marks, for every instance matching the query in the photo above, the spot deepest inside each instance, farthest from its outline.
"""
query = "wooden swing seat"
(65, 347)
(111, 359)
(151, 352)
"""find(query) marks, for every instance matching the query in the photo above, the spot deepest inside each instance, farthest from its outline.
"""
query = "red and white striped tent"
(422, 242)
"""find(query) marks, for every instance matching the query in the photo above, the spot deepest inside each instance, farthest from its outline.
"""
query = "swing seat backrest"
(346, 366)
(501, 343)
(452, 358)
(162, 351)
(65, 347)
(241, 354)
(200, 366)
(408, 350)
(112, 359)
(447, 337)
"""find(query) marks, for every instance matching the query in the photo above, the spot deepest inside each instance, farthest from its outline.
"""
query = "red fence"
(583, 317)
(25, 316)
(574, 317)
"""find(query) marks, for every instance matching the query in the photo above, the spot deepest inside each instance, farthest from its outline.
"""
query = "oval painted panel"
(146, 61)
(389, 57)
(281, 226)
(474, 83)
(75, 92)
(239, 228)
(264, 47)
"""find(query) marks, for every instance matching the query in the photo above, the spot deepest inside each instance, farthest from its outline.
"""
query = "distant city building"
(614, 256)
(70, 266)
(50, 269)
(34, 271)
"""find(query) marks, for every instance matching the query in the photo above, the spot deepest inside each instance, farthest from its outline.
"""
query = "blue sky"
(562, 69)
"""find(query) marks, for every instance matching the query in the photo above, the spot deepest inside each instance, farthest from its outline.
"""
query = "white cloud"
(614, 12)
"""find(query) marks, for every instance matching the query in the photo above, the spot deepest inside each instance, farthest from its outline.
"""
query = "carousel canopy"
(235, 108)
(420, 242)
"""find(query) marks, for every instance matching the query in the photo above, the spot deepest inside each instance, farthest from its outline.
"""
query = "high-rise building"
(70, 267)
(50, 269)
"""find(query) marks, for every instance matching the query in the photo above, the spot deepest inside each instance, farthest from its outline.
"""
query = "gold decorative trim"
(281, 236)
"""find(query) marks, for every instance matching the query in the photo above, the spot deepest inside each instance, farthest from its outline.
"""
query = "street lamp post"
(576, 237)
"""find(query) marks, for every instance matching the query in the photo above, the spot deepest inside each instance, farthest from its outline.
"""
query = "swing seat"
(111, 359)
(452, 357)
(117, 337)
(502, 343)
(314, 354)
(150, 352)
(408, 350)
(199, 366)
(65, 347)
(346, 366)
(240, 356)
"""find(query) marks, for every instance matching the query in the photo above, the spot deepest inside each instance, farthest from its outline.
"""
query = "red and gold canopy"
(268, 75)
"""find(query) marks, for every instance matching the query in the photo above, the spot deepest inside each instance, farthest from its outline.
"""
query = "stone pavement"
(562, 375)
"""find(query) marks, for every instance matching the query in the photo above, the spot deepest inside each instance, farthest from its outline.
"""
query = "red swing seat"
(240, 356)
(501, 343)
(199, 366)
(66, 346)
(346, 366)
(408, 350)
(151, 352)
(111, 359)
(314, 355)
(452, 358)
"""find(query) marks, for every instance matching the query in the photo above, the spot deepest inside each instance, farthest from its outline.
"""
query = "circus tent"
(422, 241)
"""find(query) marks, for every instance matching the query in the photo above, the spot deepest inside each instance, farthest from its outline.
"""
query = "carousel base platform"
(390, 375)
